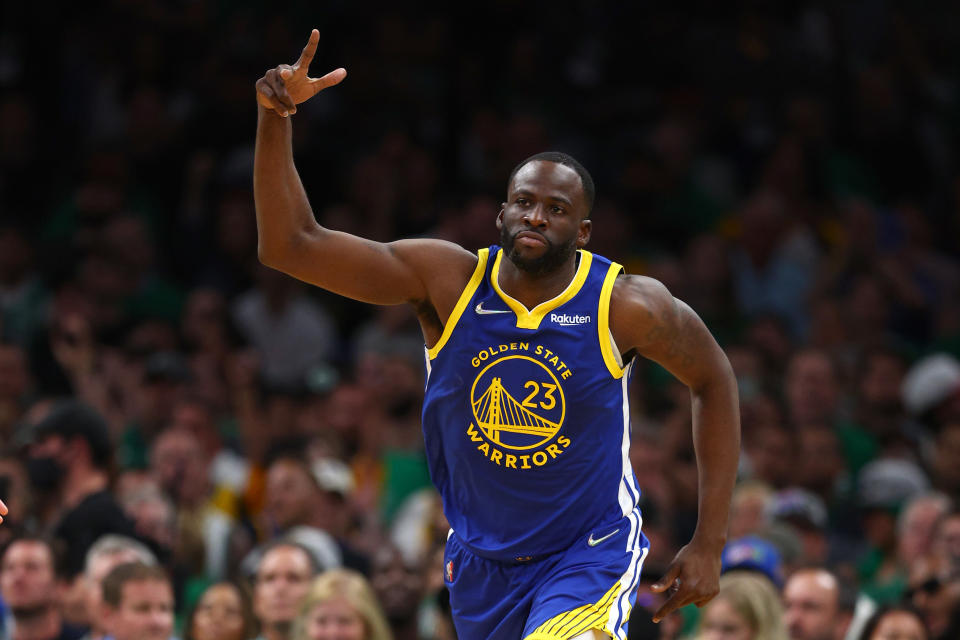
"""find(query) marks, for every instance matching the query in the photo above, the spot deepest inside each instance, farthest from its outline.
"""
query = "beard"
(553, 258)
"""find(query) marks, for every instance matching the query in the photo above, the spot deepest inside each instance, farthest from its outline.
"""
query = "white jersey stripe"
(620, 610)
(628, 495)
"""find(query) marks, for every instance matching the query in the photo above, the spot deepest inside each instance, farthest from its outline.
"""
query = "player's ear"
(583, 234)
(503, 205)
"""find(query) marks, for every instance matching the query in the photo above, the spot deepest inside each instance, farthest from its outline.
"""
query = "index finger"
(306, 56)
(678, 599)
(3, 508)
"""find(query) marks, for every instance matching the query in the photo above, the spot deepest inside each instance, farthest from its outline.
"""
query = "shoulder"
(642, 310)
(444, 268)
(639, 295)
(436, 258)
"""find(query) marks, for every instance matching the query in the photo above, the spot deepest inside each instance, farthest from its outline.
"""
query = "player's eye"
(556, 209)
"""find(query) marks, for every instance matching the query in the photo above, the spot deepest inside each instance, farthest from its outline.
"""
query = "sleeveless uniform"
(527, 428)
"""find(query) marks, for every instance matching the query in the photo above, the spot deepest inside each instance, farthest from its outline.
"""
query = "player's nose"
(535, 216)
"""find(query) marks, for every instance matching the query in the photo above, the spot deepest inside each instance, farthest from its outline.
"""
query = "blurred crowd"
(194, 444)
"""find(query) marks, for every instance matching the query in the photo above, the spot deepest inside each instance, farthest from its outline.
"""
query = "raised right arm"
(290, 240)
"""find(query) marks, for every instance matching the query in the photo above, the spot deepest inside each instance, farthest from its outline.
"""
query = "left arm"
(647, 319)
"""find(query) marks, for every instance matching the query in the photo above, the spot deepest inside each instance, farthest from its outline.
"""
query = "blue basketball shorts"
(590, 585)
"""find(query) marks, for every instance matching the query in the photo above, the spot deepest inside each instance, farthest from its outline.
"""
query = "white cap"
(333, 475)
(929, 382)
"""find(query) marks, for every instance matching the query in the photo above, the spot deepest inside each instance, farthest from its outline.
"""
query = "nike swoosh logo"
(479, 309)
(593, 543)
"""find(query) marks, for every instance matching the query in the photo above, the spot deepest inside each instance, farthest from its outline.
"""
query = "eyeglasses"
(929, 586)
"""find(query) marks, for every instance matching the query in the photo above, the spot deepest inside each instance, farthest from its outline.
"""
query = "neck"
(530, 289)
(36, 624)
(80, 483)
(277, 631)
(404, 631)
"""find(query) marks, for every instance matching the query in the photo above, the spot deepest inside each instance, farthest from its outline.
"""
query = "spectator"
(748, 509)
(772, 267)
(753, 553)
(817, 606)
(282, 580)
(812, 388)
(340, 605)
(302, 495)
(399, 586)
(884, 487)
(15, 387)
(154, 517)
(747, 608)
(807, 515)
(917, 524)
(880, 418)
(766, 447)
(901, 623)
(180, 466)
(69, 462)
(934, 593)
(944, 459)
(931, 389)
(107, 553)
(138, 603)
(821, 465)
(223, 612)
(291, 331)
(946, 541)
(29, 585)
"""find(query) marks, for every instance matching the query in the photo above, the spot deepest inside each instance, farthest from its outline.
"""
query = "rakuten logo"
(567, 320)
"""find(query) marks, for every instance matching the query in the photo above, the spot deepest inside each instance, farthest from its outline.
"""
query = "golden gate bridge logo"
(526, 421)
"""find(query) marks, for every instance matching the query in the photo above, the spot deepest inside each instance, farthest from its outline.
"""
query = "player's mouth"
(530, 239)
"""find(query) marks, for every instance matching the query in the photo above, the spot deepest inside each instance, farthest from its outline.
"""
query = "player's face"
(542, 222)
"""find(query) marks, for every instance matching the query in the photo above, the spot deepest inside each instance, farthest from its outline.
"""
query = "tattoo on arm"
(673, 336)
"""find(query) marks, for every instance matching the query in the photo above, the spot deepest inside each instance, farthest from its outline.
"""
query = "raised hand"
(284, 87)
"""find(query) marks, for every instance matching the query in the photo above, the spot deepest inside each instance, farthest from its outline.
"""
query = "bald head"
(813, 607)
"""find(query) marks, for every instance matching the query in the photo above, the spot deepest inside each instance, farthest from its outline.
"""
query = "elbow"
(720, 380)
(268, 257)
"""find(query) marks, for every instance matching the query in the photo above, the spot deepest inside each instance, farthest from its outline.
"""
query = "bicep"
(370, 271)
(666, 330)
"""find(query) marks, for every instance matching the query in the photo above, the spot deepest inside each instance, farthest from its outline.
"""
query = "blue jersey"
(526, 415)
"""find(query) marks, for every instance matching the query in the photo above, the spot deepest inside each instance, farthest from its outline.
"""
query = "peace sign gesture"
(284, 87)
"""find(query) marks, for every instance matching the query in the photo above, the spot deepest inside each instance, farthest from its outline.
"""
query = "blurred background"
(789, 169)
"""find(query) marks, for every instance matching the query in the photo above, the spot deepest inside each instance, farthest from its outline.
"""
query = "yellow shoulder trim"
(531, 319)
(603, 322)
(572, 623)
(468, 291)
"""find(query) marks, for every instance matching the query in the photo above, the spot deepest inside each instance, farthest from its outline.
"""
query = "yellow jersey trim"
(530, 319)
(468, 291)
(603, 322)
(572, 623)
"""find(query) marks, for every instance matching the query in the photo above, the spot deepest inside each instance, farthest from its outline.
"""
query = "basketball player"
(529, 348)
